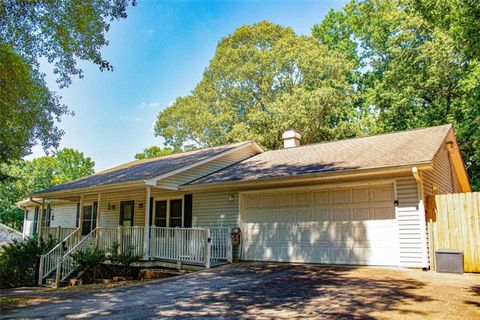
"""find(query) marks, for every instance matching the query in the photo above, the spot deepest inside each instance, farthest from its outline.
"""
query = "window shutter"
(150, 212)
(94, 215)
(77, 220)
(187, 218)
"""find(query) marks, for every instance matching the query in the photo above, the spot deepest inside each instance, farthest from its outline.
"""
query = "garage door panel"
(340, 214)
(340, 196)
(322, 214)
(321, 197)
(350, 225)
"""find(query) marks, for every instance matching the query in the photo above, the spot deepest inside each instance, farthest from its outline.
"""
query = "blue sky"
(159, 53)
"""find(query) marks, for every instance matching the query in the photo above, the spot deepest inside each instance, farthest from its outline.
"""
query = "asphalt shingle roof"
(143, 169)
(410, 147)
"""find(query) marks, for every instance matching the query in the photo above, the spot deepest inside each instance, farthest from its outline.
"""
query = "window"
(127, 213)
(176, 213)
(89, 219)
(161, 213)
(168, 213)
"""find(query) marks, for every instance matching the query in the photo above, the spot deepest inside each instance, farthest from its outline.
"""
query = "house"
(352, 201)
(8, 235)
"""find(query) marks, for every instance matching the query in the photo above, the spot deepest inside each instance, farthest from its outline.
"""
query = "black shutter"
(77, 220)
(35, 220)
(187, 214)
(94, 215)
(150, 212)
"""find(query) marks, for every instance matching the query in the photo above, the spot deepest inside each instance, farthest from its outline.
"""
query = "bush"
(17, 261)
(121, 262)
(90, 261)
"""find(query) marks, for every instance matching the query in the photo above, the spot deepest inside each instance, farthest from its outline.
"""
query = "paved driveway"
(258, 290)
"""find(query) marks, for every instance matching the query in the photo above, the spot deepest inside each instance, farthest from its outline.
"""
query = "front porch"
(195, 247)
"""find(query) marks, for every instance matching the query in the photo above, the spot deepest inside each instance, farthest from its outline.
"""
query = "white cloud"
(154, 104)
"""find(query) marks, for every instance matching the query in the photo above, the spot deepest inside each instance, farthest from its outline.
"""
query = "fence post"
(119, 239)
(229, 245)
(58, 272)
(207, 248)
(97, 237)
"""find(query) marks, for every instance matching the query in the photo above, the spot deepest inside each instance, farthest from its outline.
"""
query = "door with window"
(89, 219)
(127, 213)
(168, 213)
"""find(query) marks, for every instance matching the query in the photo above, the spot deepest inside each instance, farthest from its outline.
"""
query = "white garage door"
(354, 225)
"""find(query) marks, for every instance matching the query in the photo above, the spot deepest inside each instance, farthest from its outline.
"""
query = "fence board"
(454, 223)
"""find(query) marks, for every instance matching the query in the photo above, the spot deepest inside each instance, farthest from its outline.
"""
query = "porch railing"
(180, 244)
(221, 249)
(48, 261)
(189, 245)
(58, 233)
(66, 265)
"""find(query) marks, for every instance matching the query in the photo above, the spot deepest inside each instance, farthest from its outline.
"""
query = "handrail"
(66, 264)
(48, 260)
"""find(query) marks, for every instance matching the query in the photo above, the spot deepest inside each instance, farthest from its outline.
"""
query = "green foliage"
(90, 261)
(153, 152)
(17, 261)
(24, 177)
(418, 64)
(62, 32)
(263, 80)
(121, 262)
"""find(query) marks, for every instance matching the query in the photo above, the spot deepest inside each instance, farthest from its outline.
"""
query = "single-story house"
(352, 201)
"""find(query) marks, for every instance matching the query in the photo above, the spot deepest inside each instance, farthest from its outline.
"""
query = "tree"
(60, 32)
(417, 64)
(264, 79)
(153, 152)
(26, 177)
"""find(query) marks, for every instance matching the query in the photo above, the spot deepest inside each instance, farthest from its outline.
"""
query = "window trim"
(168, 199)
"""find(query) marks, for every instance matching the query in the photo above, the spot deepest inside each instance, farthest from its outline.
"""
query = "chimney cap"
(291, 134)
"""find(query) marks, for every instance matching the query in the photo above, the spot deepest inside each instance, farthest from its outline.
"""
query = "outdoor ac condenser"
(449, 260)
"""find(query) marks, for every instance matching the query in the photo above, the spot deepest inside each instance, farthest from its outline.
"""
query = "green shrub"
(121, 262)
(90, 261)
(17, 261)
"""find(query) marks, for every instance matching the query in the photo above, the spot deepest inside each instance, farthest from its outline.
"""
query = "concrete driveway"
(260, 290)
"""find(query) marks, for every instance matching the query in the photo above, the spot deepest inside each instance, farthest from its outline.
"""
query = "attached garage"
(345, 225)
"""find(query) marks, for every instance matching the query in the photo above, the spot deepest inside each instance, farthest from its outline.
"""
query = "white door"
(354, 225)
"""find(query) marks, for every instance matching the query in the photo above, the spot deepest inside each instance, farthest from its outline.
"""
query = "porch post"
(40, 220)
(99, 198)
(80, 218)
(207, 248)
(147, 225)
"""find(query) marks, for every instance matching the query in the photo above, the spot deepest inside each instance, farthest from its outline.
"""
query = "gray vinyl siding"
(442, 176)
(215, 209)
(210, 167)
(411, 234)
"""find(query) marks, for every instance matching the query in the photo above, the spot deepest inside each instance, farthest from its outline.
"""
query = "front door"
(160, 213)
(126, 213)
(89, 219)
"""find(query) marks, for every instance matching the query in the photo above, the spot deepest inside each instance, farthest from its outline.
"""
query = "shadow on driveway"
(249, 290)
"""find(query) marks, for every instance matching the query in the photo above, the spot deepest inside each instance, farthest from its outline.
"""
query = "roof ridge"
(176, 154)
(361, 137)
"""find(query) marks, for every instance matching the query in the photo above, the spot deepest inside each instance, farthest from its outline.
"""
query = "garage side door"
(353, 225)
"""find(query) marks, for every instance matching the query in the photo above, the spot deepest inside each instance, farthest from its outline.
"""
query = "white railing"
(106, 237)
(48, 261)
(180, 244)
(57, 233)
(66, 265)
(221, 244)
(132, 240)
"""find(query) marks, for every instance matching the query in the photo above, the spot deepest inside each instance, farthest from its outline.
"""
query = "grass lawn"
(13, 302)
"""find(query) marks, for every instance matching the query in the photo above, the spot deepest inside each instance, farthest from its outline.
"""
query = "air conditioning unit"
(449, 260)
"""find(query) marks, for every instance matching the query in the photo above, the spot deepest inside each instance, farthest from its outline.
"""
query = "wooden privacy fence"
(454, 223)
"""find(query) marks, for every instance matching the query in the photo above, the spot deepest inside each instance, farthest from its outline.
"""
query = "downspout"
(422, 213)
(31, 199)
